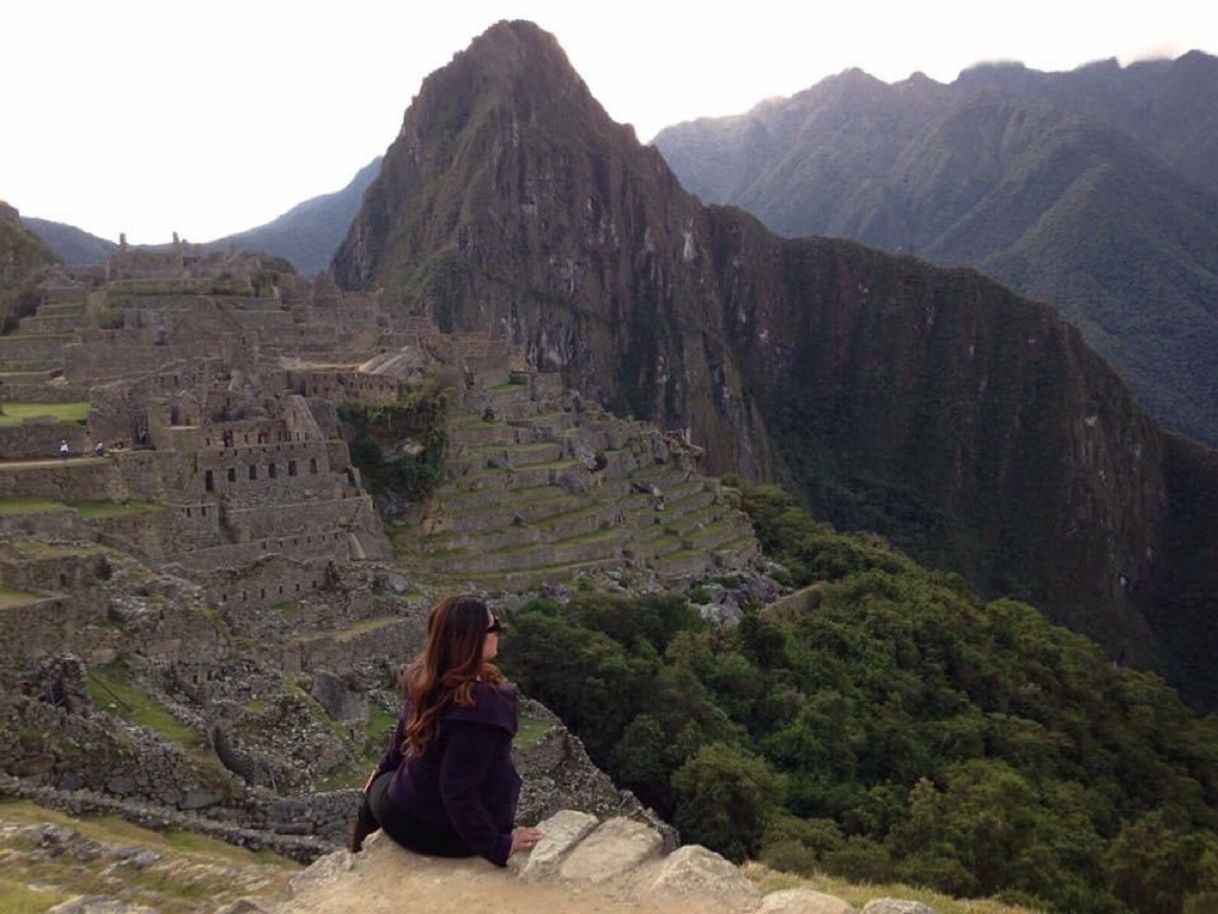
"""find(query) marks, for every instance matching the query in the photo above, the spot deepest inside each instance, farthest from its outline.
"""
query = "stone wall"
(44, 525)
(338, 386)
(53, 623)
(266, 581)
(100, 360)
(148, 534)
(56, 569)
(264, 523)
(40, 391)
(393, 642)
(74, 480)
(36, 439)
(256, 474)
(31, 347)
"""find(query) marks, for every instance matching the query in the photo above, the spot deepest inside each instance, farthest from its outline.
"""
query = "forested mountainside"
(971, 425)
(1085, 189)
(885, 723)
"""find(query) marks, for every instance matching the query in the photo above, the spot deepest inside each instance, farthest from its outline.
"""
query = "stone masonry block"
(694, 870)
(616, 847)
(563, 831)
(803, 901)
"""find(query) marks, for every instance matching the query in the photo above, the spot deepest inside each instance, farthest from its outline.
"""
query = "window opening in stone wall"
(313, 465)
(272, 471)
(209, 482)
(291, 467)
(232, 474)
(253, 471)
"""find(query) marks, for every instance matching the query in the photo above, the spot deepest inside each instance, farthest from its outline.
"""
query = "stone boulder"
(897, 906)
(803, 901)
(694, 870)
(615, 848)
(338, 699)
(563, 831)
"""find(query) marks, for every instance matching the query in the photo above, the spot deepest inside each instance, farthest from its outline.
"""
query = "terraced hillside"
(545, 488)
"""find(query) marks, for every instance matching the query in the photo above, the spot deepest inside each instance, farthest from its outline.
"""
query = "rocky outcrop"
(971, 426)
(581, 865)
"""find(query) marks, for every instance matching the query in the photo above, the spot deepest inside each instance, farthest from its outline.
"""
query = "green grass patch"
(531, 732)
(15, 413)
(367, 625)
(114, 830)
(13, 506)
(16, 898)
(111, 688)
(380, 722)
(11, 596)
(91, 510)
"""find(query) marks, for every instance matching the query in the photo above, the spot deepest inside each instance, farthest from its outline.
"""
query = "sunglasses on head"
(495, 627)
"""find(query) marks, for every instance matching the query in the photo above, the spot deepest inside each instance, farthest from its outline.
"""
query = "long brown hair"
(447, 669)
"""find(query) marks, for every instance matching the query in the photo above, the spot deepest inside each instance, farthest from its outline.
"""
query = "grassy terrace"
(111, 688)
(531, 732)
(11, 596)
(92, 510)
(10, 507)
(16, 413)
(185, 882)
(89, 510)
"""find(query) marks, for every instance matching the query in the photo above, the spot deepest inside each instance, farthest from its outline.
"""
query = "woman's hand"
(525, 838)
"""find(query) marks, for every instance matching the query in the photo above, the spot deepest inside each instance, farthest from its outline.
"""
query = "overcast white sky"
(215, 116)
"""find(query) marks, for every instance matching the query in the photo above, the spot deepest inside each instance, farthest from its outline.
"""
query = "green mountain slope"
(885, 722)
(972, 426)
(1064, 206)
(71, 245)
(308, 234)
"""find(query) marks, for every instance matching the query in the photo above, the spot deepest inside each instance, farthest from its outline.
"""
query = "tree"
(725, 797)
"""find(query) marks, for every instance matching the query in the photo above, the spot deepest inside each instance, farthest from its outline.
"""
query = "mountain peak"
(516, 53)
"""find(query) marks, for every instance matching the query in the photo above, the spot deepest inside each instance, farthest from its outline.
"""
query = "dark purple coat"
(465, 782)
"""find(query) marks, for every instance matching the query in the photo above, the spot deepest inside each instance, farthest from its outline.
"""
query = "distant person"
(64, 450)
(99, 450)
(446, 786)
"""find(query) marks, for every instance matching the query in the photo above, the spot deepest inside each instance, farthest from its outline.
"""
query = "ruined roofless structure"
(211, 384)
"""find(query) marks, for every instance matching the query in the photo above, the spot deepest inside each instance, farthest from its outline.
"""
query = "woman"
(446, 785)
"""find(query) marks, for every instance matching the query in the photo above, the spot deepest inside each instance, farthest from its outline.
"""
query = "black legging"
(404, 829)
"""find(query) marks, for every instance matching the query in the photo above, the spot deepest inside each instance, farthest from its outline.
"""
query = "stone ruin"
(209, 541)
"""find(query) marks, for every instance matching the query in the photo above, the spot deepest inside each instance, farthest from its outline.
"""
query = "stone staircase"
(545, 489)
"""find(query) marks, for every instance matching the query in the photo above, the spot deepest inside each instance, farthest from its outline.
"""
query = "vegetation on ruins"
(886, 723)
(22, 257)
(400, 445)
